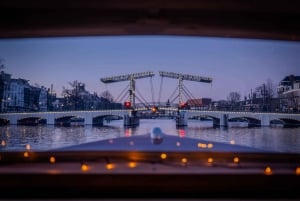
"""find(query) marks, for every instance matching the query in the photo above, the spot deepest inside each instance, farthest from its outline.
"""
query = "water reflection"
(52, 137)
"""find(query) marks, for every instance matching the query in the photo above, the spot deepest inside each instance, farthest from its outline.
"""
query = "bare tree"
(107, 95)
(2, 66)
(74, 97)
(234, 97)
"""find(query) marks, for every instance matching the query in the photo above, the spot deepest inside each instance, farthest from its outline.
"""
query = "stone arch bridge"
(220, 118)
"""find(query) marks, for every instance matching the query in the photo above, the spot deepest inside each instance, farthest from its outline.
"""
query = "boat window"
(75, 91)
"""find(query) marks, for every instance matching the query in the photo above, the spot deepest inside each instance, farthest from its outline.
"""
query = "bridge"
(96, 117)
(132, 110)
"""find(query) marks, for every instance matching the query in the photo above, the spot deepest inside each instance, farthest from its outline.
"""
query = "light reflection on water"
(52, 137)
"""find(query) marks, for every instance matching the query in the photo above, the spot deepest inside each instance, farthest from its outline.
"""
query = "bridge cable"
(146, 106)
(190, 95)
(143, 99)
(176, 97)
(173, 93)
(152, 90)
(160, 89)
(122, 94)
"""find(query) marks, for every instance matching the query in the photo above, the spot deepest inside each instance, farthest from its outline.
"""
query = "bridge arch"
(32, 121)
(4, 122)
(285, 122)
(68, 120)
(252, 122)
(99, 120)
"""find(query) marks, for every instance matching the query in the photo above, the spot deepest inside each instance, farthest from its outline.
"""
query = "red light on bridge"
(182, 105)
(127, 104)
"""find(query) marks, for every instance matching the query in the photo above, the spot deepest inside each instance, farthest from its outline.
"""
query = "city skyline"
(234, 64)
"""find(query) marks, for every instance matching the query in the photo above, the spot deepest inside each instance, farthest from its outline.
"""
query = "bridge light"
(182, 105)
(127, 105)
(154, 109)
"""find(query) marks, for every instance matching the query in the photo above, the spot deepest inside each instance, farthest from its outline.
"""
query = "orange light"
(163, 156)
(84, 167)
(298, 171)
(236, 160)
(132, 164)
(26, 154)
(110, 166)
(184, 160)
(52, 159)
(268, 170)
(210, 145)
(210, 160)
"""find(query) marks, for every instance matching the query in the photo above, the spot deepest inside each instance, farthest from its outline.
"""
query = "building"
(17, 95)
(199, 102)
(289, 94)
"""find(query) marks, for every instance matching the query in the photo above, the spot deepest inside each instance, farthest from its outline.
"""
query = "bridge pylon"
(131, 119)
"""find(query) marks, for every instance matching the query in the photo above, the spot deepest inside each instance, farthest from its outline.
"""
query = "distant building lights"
(28, 147)
(3, 143)
(210, 146)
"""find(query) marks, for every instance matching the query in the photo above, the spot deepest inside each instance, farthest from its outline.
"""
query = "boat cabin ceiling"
(262, 19)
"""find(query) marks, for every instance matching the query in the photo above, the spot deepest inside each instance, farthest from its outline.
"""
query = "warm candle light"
(236, 160)
(210, 160)
(184, 160)
(132, 164)
(52, 159)
(110, 166)
(26, 154)
(163, 156)
(84, 167)
(268, 170)
(298, 171)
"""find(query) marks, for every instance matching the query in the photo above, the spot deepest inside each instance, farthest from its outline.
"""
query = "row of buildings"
(285, 98)
(17, 95)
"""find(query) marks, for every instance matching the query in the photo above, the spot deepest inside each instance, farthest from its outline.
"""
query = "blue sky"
(233, 64)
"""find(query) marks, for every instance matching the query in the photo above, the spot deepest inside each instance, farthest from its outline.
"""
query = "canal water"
(42, 138)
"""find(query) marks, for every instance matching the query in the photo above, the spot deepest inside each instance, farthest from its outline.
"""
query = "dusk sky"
(234, 64)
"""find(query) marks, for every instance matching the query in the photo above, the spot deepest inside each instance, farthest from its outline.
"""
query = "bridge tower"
(181, 119)
(132, 119)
